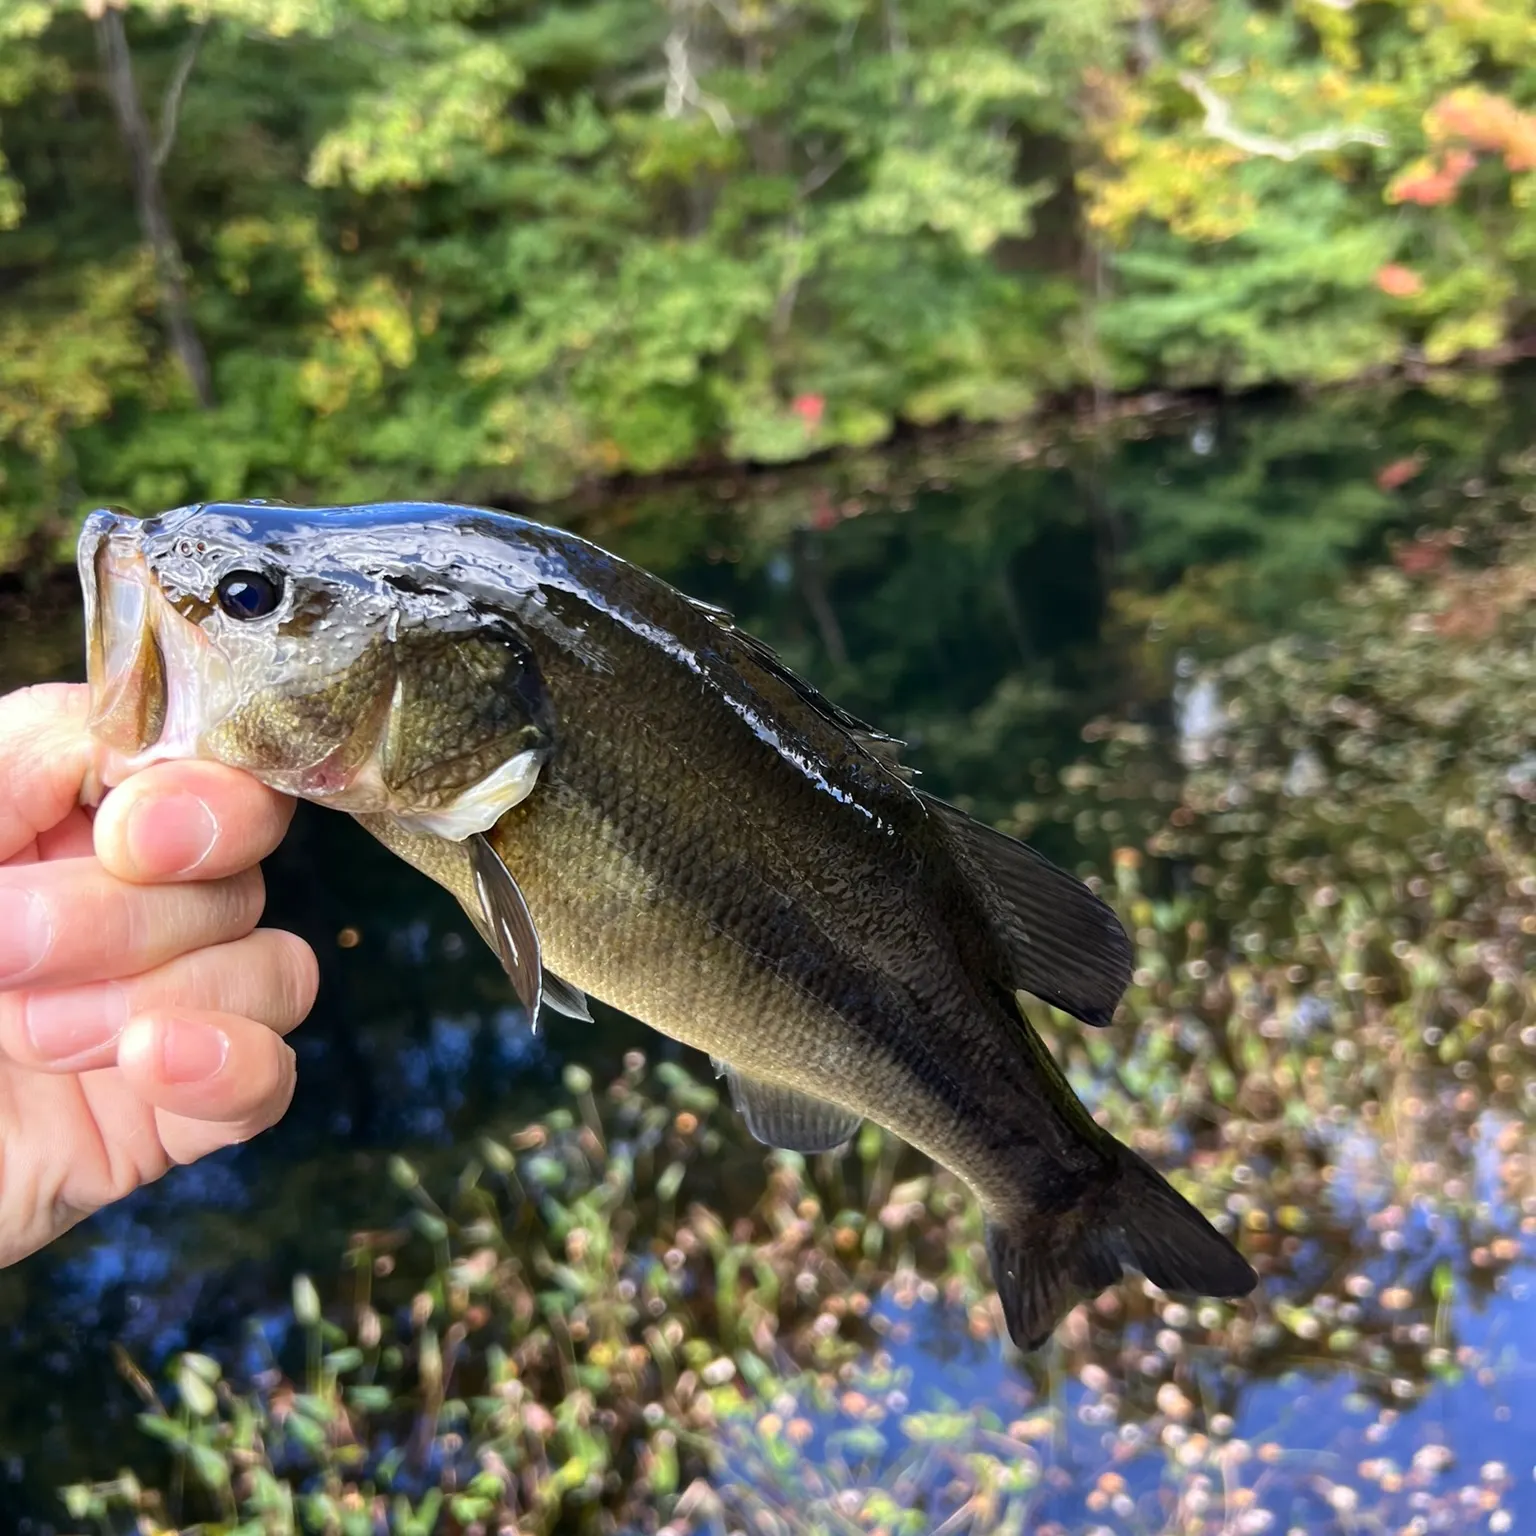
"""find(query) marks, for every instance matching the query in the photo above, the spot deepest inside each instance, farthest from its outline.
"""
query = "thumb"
(45, 755)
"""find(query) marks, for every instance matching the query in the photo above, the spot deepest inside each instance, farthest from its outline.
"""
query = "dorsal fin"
(1057, 939)
(884, 749)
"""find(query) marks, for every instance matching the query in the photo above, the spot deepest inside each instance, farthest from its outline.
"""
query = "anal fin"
(784, 1117)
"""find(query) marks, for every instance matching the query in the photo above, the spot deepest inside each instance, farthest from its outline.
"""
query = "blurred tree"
(154, 225)
(502, 248)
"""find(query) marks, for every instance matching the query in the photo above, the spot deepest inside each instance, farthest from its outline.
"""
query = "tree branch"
(683, 89)
(819, 175)
(171, 108)
(784, 304)
(154, 222)
(1219, 124)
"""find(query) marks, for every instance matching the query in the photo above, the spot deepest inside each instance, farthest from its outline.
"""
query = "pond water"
(992, 602)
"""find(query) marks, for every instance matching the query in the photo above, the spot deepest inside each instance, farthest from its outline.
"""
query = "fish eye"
(248, 594)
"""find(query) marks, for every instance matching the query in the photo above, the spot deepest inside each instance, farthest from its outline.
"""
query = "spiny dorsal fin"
(783, 1117)
(1059, 941)
(886, 750)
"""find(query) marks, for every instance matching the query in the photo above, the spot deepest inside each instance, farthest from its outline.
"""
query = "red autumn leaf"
(1430, 185)
(1423, 557)
(824, 513)
(1399, 282)
(1399, 472)
(809, 409)
(1486, 122)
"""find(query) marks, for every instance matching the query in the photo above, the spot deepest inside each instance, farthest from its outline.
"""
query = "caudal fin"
(1042, 1268)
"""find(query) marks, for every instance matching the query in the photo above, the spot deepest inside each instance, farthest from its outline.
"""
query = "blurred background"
(1120, 400)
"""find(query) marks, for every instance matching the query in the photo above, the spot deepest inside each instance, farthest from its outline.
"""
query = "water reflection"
(987, 609)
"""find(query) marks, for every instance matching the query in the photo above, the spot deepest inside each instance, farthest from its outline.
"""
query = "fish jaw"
(156, 684)
(123, 664)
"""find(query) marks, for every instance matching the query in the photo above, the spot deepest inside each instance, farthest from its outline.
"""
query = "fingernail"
(170, 834)
(26, 931)
(177, 1050)
(76, 1020)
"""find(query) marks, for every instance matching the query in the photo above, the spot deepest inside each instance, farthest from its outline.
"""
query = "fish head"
(332, 658)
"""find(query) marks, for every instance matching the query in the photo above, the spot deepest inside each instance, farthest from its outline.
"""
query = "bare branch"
(683, 89)
(171, 108)
(784, 305)
(731, 15)
(636, 85)
(154, 221)
(819, 175)
(1148, 46)
(1220, 125)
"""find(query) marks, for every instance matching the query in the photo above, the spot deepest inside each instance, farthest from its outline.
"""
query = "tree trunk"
(154, 222)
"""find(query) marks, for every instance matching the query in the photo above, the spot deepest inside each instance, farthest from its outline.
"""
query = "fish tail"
(1044, 1265)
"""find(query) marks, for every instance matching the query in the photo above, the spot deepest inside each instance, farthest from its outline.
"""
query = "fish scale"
(932, 1032)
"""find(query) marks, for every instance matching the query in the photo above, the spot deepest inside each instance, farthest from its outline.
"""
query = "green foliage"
(494, 248)
(1264, 188)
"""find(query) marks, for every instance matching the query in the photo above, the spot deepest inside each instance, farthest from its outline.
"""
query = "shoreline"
(1071, 416)
(1058, 422)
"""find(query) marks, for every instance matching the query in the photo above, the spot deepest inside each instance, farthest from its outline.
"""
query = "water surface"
(987, 602)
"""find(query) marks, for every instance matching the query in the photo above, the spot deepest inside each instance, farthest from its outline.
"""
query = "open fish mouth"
(156, 682)
(125, 665)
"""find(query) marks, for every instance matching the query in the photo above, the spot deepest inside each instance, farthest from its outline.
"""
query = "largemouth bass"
(635, 801)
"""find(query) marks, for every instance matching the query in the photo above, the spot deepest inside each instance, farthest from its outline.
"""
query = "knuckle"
(40, 706)
(172, 921)
(244, 895)
(127, 921)
(303, 977)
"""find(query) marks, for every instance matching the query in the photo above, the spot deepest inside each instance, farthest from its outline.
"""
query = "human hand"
(141, 1009)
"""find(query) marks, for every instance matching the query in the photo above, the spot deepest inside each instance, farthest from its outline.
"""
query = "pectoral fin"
(566, 999)
(511, 930)
(1058, 941)
(474, 872)
(783, 1117)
